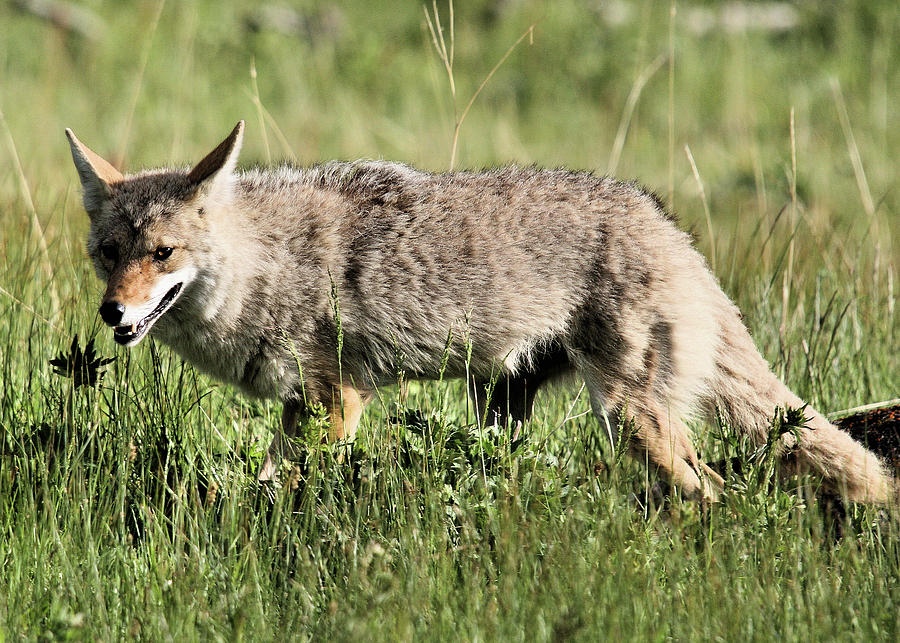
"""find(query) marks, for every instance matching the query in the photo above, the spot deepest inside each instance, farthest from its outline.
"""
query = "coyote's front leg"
(345, 407)
(283, 444)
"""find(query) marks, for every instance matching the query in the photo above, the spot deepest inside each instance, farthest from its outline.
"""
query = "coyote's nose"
(111, 312)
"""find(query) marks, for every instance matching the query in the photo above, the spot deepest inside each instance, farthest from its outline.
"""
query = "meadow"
(129, 506)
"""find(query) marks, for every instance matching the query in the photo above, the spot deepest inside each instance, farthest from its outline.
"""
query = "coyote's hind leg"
(660, 436)
(511, 399)
(512, 395)
(666, 441)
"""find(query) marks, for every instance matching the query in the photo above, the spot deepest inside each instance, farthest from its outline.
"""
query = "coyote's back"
(319, 284)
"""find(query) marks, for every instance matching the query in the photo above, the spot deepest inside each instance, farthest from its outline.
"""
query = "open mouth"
(129, 334)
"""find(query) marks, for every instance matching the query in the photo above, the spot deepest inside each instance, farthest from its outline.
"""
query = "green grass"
(130, 509)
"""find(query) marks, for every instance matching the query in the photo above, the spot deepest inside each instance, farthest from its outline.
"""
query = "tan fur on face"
(131, 284)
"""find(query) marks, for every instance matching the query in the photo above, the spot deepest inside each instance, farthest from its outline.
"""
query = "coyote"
(315, 285)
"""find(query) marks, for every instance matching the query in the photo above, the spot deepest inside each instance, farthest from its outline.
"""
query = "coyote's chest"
(250, 363)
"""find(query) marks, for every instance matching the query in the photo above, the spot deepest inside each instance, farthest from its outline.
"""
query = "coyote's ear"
(96, 174)
(215, 173)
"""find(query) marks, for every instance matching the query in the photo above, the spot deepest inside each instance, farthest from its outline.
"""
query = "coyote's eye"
(162, 253)
(109, 251)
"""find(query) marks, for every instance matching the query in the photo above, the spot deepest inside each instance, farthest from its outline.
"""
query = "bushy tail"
(747, 393)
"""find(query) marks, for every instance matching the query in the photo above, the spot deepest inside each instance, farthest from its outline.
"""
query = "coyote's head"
(149, 229)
